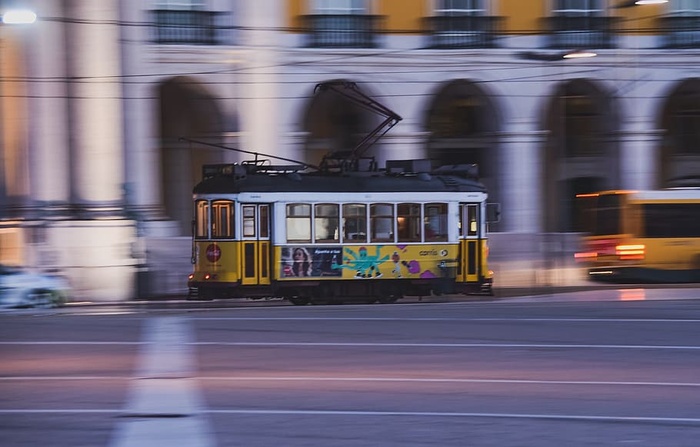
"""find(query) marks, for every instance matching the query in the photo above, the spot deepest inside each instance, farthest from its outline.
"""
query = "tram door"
(470, 244)
(255, 244)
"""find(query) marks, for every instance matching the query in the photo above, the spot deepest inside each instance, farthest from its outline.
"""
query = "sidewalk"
(603, 292)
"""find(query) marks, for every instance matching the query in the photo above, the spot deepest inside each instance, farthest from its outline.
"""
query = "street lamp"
(18, 17)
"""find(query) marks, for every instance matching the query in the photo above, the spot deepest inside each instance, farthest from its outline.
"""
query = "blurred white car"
(20, 287)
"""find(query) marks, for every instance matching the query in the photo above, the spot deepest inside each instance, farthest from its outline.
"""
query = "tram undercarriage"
(336, 292)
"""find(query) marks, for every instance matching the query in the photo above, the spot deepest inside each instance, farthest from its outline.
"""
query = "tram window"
(472, 221)
(201, 219)
(408, 222)
(355, 222)
(222, 219)
(435, 222)
(299, 222)
(249, 221)
(326, 223)
(381, 216)
(264, 221)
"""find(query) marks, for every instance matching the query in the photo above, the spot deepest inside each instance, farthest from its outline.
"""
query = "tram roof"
(236, 180)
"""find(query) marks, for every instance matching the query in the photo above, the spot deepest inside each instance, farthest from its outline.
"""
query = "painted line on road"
(507, 320)
(645, 419)
(443, 345)
(553, 416)
(369, 379)
(445, 380)
(165, 407)
(378, 345)
(72, 342)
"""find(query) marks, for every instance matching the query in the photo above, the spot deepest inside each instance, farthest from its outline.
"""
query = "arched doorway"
(463, 125)
(581, 152)
(680, 151)
(186, 110)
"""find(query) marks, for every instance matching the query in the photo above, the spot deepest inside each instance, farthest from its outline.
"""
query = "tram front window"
(201, 224)
(222, 219)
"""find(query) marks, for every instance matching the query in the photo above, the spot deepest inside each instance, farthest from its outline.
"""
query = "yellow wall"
(520, 16)
(640, 19)
(404, 16)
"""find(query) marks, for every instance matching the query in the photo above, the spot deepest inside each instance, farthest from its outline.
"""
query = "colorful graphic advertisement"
(310, 261)
(373, 261)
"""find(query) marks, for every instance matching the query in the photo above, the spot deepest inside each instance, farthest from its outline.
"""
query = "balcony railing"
(184, 27)
(341, 30)
(681, 32)
(591, 32)
(463, 31)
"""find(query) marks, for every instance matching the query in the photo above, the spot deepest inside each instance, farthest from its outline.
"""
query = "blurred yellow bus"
(641, 236)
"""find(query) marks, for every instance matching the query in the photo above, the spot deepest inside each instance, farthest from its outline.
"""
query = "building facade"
(110, 109)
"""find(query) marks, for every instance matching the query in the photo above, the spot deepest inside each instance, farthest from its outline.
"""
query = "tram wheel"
(298, 300)
(387, 299)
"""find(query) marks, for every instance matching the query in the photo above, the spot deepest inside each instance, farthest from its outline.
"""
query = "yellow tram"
(346, 230)
(375, 235)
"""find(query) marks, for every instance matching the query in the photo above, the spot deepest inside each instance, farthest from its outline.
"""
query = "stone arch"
(679, 155)
(463, 123)
(581, 151)
(335, 123)
(186, 109)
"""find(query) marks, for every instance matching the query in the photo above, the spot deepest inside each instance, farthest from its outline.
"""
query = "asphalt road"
(594, 368)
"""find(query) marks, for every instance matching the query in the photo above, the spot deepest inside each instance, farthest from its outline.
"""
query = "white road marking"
(444, 345)
(646, 419)
(379, 345)
(499, 320)
(154, 437)
(165, 408)
(373, 379)
(447, 380)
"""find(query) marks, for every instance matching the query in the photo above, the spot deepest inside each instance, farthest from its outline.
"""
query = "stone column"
(48, 127)
(639, 160)
(14, 136)
(95, 106)
(521, 191)
(260, 93)
(141, 146)
(95, 247)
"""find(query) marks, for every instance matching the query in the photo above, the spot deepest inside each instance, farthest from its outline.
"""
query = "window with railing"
(462, 24)
(682, 25)
(341, 23)
(183, 22)
(581, 24)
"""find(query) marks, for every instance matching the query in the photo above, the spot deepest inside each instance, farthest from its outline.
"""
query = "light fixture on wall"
(632, 3)
(18, 17)
(578, 54)
(557, 56)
